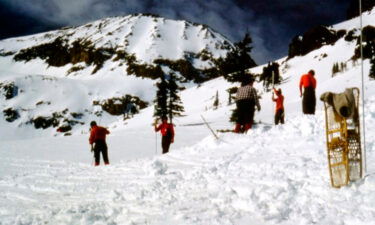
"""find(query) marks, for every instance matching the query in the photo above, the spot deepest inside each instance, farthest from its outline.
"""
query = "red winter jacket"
(164, 128)
(279, 100)
(307, 80)
(97, 133)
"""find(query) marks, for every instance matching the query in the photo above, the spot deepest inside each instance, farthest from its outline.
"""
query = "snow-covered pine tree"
(161, 96)
(335, 69)
(270, 74)
(342, 67)
(231, 92)
(216, 102)
(236, 62)
(175, 107)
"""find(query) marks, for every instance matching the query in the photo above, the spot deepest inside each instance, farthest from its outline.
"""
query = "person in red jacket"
(98, 143)
(308, 83)
(167, 133)
(279, 114)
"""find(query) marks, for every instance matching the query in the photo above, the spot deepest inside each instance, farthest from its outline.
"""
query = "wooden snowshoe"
(343, 144)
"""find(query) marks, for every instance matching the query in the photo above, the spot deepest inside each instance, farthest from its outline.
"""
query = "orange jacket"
(97, 133)
(307, 80)
(279, 100)
(165, 128)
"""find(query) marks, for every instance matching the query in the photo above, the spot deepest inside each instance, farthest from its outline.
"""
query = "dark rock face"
(313, 39)
(11, 115)
(184, 66)
(341, 33)
(119, 106)
(3, 53)
(368, 35)
(60, 119)
(45, 122)
(350, 36)
(58, 53)
(10, 90)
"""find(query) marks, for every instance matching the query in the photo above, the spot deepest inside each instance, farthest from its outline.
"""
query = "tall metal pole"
(363, 93)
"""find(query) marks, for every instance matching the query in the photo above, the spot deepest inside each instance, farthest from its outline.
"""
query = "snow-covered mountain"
(271, 175)
(148, 37)
(67, 77)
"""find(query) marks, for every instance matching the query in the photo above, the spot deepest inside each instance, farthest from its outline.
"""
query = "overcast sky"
(271, 23)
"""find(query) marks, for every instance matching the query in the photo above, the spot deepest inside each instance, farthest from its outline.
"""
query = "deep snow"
(271, 175)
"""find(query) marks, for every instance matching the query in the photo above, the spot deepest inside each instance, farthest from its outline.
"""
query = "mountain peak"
(146, 36)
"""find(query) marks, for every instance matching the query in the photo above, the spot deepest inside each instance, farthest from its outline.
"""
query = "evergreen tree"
(175, 107)
(342, 67)
(335, 69)
(161, 96)
(237, 61)
(270, 74)
(216, 102)
(231, 91)
(234, 116)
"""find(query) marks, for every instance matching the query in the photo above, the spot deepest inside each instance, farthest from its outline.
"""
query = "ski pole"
(273, 87)
(156, 136)
(156, 143)
(93, 154)
(208, 126)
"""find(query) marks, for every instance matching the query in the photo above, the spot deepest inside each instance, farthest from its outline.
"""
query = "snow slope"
(146, 37)
(271, 175)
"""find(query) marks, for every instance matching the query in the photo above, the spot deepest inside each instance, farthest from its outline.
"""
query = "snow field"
(274, 175)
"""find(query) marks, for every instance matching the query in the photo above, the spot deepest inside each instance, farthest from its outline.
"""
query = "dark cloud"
(272, 23)
(16, 23)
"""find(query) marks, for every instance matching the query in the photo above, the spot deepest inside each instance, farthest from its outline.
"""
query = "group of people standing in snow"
(246, 101)
(98, 135)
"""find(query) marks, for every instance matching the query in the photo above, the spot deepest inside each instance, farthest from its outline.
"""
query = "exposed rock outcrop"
(313, 39)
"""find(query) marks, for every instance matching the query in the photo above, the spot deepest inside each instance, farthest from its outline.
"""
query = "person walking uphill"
(97, 138)
(308, 83)
(167, 133)
(246, 100)
(279, 114)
